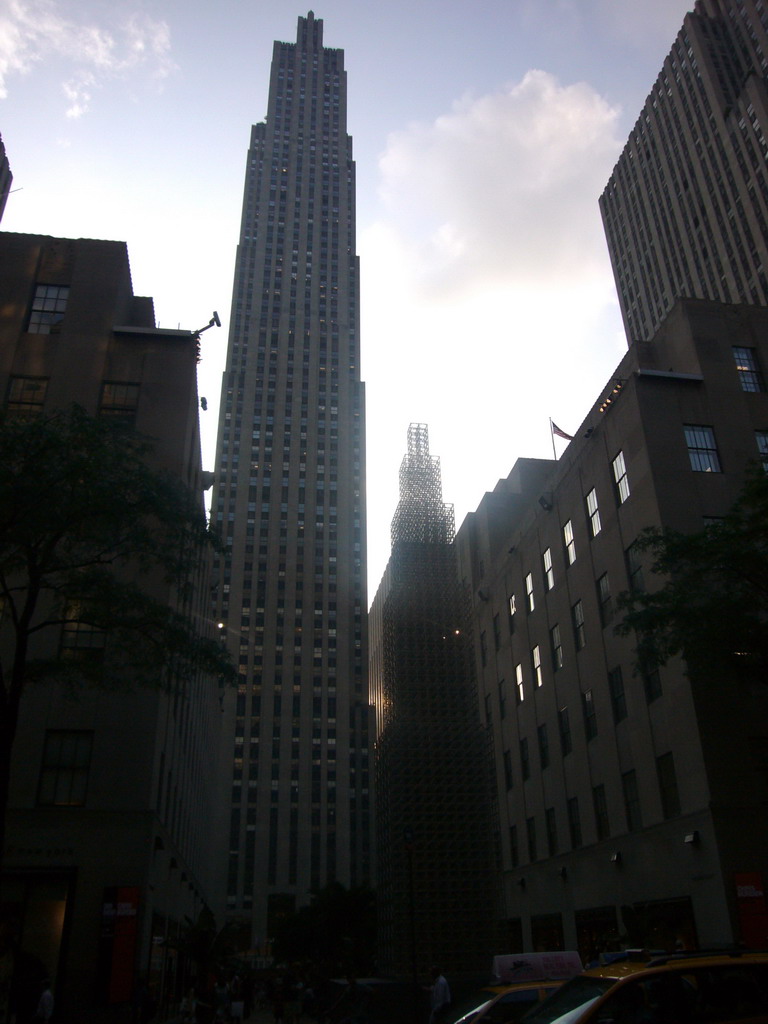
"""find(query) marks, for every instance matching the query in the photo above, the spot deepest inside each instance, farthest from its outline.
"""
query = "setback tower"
(686, 208)
(289, 499)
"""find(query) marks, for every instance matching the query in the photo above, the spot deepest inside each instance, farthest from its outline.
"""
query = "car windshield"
(470, 1014)
(567, 1003)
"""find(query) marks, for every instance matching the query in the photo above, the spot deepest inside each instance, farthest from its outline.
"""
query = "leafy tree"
(712, 607)
(335, 931)
(98, 554)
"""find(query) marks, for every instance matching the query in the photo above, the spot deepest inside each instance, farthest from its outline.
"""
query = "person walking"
(440, 996)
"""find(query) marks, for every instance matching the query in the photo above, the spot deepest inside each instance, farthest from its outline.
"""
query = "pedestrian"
(45, 1003)
(237, 1007)
(440, 995)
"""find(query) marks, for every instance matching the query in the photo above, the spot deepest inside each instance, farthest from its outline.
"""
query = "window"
(536, 662)
(496, 632)
(618, 697)
(549, 574)
(483, 649)
(508, 778)
(633, 557)
(530, 600)
(602, 825)
(64, 771)
(543, 738)
(590, 716)
(556, 645)
(119, 400)
(530, 827)
(512, 611)
(514, 853)
(748, 369)
(631, 800)
(26, 397)
(48, 308)
(604, 599)
(502, 700)
(620, 478)
(761, 438)
(564, 726)
(519, 684)
(702, 449)
(570, 543)
(80, 639)
(593, 513)
(652, 684)
(574, 822)
(577, 615)
(670, 799)
(551, 823)
(525, 761)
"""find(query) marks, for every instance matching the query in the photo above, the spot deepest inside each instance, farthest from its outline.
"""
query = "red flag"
(559, 432)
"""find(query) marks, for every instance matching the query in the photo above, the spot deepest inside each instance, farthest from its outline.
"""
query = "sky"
(484, 133)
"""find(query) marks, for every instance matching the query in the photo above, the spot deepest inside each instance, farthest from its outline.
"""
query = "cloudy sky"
(484, 132)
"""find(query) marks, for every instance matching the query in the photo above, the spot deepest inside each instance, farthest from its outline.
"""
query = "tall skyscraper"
(686, 208)
(435, 826)
(290, 501)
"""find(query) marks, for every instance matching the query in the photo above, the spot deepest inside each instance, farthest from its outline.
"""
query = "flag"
(560, 433)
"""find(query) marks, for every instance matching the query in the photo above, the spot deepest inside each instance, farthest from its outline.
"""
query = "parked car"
(681, 988)
(502, 1004)
(524, 979)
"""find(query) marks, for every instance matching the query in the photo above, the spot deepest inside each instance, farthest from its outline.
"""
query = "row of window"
(26, 398)
(670, 805)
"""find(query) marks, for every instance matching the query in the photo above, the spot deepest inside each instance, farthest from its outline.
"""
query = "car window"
(733, 992)
(511, 1006)
(569, 1002)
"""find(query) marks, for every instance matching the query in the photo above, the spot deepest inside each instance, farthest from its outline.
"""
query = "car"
(503, 1004)
(523, 980)
(720, 987)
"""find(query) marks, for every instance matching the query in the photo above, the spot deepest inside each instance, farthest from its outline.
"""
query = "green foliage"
(335, 931)
(712, 606)
(98, 559)
(90, 535)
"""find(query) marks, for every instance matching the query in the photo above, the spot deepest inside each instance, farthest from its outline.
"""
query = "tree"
(98, 555)
(712, 607)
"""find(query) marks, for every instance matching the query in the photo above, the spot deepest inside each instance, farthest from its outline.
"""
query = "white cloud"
(43, 30)
(505, 185)
(488, 299)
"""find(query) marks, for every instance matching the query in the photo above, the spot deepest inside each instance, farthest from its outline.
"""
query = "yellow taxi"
(524, 980)
(678, 988)
(503, 1004)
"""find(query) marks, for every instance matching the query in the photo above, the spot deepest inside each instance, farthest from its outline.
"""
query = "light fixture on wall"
(616, 857)
(692, 837)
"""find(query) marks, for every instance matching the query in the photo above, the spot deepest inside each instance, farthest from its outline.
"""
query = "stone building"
(631, 806)
(109, 845)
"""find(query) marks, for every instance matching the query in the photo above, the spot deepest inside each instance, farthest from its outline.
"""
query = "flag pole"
(552, 438)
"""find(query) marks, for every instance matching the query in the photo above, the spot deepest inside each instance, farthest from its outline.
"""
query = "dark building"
(290, 501)
(112, 791)
(631, 805)
(6, 178)
(435, 827)
(686, 208)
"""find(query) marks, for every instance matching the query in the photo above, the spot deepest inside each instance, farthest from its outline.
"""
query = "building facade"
(290, 501)
(112, 790)
(630, 804)
(686, 208)
(435, 825)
